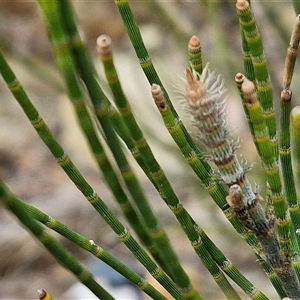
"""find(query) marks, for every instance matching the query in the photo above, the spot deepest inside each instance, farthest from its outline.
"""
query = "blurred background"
(32, 174)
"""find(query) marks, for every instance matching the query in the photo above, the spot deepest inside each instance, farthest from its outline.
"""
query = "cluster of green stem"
(272, 231)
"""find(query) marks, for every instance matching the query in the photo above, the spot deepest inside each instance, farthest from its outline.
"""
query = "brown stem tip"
(286, 95)
(194, 42)
(249, 91)
(104, 45)
(242, 5)
(239, 78)
(158, 97)
(41, 294)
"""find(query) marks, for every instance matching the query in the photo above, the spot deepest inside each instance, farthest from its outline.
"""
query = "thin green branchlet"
(61, 48)
(285, 126)
(272, 231)
(63, 256)
(295, 125)
(92, 247)
(258, 61)
(170, 260)
(258, 106)
(77, 178)
(277, 253)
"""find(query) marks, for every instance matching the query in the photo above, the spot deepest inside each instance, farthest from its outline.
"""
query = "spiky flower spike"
(206, 101)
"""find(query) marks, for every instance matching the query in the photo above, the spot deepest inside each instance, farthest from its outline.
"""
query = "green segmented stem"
(248, 64)
(101, 110)
(286, 160)
(170, 259)
(286, 234)
(230, 269)
(90, 246)
(146, 63)
(137, 41)
(104, 111)
(76, 177)
(295, 135)
(64, 257)
(259, 62)
(296, 4)
(264, 145)
(64, 60)
(273, 277)
(195, 54)
(285, 111)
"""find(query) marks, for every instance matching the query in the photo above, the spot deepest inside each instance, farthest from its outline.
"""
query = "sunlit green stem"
(146, 63)
(64, 60)
(90, 246)
(100, 103)
(230, 269)
(295, 134)
(263, 85)
(264, 145)
(273, 277)
(248, 64)
(169, 257)
(64, 257)
(286, 160)
(76, 177)
(288, 244)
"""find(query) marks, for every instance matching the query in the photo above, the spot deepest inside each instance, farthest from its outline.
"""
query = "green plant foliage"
(110, 123)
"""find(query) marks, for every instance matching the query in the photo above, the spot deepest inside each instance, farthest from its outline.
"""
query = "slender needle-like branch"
(62, 50)
(93, 248)
(259, 62)
(170, 259)
(76, 177)
(64, 257)
(295, 126)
